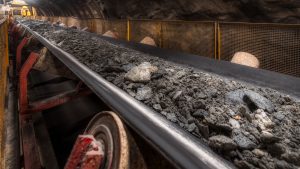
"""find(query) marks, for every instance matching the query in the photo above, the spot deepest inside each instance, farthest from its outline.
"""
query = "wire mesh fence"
(277, 47)
(191, 37)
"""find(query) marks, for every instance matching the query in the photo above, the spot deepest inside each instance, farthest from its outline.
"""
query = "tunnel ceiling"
(282, 11)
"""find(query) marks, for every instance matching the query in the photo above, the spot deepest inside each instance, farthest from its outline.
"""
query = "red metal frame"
(86, 154)
(30, 149)
(19, 52)
(26, 107)
(23, 81)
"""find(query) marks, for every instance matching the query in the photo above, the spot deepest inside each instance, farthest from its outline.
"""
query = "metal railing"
(3, 82)
(276, 46)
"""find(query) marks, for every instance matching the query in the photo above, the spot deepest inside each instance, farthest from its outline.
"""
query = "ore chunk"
(276, 149)
(259, 152)
(203, 129)
(200, 113)
(268, 137)
(192, 127)
(242, 141)
(252, 99)
(199, 104)
(221, 142)
(281, 164)
(143, 93)
(172, 117)
(244, 111)
(292, 157)
(141, 73)
(235, 97)
(234, 123)
(255, 99)
(263, 120)
(279, 116)
(157, 107)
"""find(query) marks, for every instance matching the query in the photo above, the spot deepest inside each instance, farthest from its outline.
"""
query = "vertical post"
(3, 82)
(161, 36)
(216, 40)
(219, 42)
(128, 30)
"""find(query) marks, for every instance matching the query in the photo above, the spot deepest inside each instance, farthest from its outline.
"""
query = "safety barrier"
(3, 82)
(276, 46)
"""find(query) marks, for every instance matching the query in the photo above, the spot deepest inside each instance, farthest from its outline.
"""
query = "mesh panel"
(119, 26)
(277, 47)
(139, 29)
(191, 37)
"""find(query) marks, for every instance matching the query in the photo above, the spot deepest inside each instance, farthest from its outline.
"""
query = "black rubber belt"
(177, 145)
(281, 82)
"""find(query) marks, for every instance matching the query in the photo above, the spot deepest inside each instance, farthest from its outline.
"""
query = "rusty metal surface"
(121, 151)
(276, 46)
(87, 153)
(3, 82)
(30, 149)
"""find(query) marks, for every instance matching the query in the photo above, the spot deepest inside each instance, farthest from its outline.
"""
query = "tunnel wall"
(268, 11)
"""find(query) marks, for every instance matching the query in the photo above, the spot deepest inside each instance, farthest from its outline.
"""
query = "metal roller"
(120, 150)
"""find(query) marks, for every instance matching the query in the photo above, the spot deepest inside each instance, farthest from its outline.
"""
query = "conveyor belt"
(184, 150)
(281, 82)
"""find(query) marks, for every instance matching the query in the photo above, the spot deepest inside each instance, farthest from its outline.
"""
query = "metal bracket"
(26, 107)
(19, 52)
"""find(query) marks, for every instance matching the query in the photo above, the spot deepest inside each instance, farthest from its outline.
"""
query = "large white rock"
(244, 58)
(148, 41)
(111, 34)
(141, 73)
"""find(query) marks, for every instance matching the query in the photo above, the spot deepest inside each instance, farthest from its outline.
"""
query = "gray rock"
(221, 142)
(163, 113)
(223, 127)
(201, 113)
(177, 94)
(200, 104)
(172, 117)
(192, 127)
(267, 137)
(157, 107)
(234, 123)
(203, 129)
(242, 141)
(180, 74)
(292, 157)
(259, 101)
(201, 96)
(230, 112)
(252, 99)
(279, 116)
(127, 67)
(259, 152)
(281, 164)
(276, 149)
(143, 93)
(244, 111)
(235, 97)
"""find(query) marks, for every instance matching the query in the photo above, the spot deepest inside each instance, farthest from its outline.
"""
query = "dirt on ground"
(250, 126)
